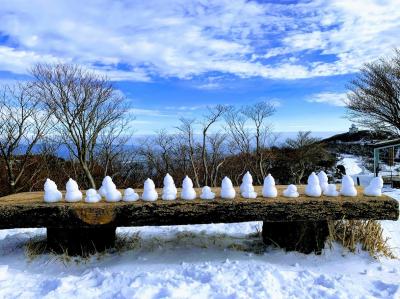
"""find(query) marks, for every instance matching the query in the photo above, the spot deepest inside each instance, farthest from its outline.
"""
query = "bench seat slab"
(291, 223)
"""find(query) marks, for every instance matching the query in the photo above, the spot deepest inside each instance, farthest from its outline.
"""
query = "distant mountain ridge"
(360, 137)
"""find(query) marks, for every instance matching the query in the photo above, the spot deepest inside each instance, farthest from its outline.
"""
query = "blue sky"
(175, 58)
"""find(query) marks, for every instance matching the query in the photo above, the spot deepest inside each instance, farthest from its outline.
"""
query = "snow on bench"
(291, 223)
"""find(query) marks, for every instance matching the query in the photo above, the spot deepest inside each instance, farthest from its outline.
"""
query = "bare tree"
(218, 156)
(258, 114)
(83, 105)
(22, 125)
(238, 131)
(212, 116)
(374, 97)
(249, 130)
(181, 156)
(165, 142)
(187, 131)
(111, 146)
(148, 153)
(304, 152)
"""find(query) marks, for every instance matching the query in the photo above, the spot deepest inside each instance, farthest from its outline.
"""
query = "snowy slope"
(355, 167)
(198, 261)
(351, 163)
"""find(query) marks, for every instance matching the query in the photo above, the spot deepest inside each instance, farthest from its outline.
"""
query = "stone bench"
(291, 223)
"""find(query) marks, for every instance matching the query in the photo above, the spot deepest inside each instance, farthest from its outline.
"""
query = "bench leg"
(80, 241)
(302, 236)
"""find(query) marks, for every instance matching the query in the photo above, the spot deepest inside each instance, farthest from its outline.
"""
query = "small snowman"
(323, 180)
(111, 192)
(51, 193)
(313, 188)
(188, 192)
(73, 193)
(330, 190)
(227, 190)
(169, 189)
(206, 193)
(130, 195)
(348, 188)
(269, 189)
(246, 188)
(149, 191)
(291, 191)
(106, 184)
(374, 188)
(92, 196)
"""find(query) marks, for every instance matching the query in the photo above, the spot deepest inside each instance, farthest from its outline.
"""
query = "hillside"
(361, 136)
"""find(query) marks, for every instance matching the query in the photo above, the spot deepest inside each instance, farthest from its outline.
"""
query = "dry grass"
(125, 242)
(35, 247)
(367, 233)
(351, 234)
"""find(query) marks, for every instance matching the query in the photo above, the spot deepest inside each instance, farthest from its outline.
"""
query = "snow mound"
(348, 188)
(227, 190)
(51, 193)
(269, 189)
(107, 182)
(330, 190)
(73, 193)
(246, 188)
(169, 189)
(313, 188)
(323, 180)
(130, 195)
(291, 191)
(188, 192)
(92, 196)
(149, 191)
(206, 193)
(374, 188)
(110, 190)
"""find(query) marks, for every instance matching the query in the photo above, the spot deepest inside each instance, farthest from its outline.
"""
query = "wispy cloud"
(186, 108)
(148, 112)
(331, 98)
(139, 40)
(208, 86)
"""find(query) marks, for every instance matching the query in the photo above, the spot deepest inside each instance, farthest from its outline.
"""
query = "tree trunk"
(196, 177)
(88, 174)
(204, 158)
(11, 177)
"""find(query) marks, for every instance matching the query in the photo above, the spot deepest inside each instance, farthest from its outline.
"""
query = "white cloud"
(276, 103)
(331, 98)
(208, 86)
(362, 32)
(139, 40)
(148, 112)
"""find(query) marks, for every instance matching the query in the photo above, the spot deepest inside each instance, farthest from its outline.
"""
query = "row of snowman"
(316, 186)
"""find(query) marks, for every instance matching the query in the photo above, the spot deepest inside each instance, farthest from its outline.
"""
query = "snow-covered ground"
(353, 164)
(200, 261)
(355, 167)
